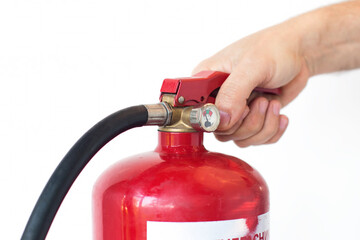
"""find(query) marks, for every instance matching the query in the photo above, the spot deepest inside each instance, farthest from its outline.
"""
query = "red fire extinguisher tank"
(181, 191)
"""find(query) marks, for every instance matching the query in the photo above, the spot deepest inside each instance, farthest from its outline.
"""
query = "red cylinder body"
(181, 189)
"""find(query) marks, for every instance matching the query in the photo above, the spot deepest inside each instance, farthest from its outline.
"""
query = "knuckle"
(226, 97)
(253, 125)
(203, 65)
(270, 131)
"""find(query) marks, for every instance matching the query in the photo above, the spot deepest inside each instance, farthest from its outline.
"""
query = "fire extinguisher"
(180, 190)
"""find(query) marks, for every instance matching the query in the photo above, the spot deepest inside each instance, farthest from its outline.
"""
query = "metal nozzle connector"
(183, 119)
(159, 114)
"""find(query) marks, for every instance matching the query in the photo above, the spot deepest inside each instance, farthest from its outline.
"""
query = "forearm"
(329, 38)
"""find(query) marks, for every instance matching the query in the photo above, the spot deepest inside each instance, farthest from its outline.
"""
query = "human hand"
(286, 55)
(270, 59)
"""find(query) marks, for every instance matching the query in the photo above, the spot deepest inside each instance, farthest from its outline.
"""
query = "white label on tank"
(237, 229)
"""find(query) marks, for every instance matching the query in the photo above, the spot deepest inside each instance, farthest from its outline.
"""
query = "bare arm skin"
(286, 55)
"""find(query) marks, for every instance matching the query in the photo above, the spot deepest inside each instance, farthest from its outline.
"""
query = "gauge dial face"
(210, 117)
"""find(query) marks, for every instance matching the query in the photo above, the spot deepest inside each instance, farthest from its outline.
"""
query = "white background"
(64, 65)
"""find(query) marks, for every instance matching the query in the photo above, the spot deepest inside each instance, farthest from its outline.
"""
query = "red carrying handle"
(200, 88)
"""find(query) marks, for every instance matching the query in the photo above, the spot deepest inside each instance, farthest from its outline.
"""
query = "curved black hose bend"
(80, 154)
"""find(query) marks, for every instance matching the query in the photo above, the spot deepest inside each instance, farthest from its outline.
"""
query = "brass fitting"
(180, 120)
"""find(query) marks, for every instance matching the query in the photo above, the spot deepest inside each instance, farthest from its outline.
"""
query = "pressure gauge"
(205, 118)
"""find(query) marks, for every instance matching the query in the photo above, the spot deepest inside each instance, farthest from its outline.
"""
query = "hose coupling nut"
(159, 114)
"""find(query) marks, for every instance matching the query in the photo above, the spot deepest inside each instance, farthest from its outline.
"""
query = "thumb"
(233, 94)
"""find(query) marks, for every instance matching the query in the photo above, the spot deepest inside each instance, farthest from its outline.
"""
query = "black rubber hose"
(74, 162)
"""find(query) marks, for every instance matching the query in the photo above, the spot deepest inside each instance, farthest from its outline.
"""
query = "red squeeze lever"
(200, 89)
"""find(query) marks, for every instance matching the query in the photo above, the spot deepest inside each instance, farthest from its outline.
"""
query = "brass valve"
(191, 119)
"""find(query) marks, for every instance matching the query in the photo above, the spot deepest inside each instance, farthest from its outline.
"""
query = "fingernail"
(263, 106)
(224, 118)
(283, 123)
(276, 108)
